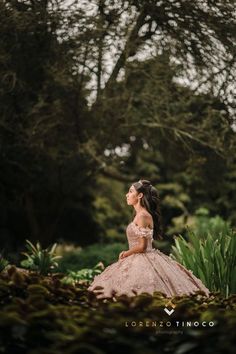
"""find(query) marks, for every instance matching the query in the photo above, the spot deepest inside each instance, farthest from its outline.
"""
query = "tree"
(44, 179)
(199, 36)
(78, 99)
(177, 139)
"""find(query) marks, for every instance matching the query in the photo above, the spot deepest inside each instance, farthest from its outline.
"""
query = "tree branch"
(129, 49)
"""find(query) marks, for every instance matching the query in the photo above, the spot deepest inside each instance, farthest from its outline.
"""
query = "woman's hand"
(122, 255)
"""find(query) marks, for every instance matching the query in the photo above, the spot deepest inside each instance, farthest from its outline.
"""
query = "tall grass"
(212, 258)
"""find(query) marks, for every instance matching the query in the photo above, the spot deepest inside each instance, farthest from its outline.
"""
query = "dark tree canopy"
(100, 89)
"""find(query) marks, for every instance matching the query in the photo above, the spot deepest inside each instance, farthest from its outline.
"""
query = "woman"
(142, 268)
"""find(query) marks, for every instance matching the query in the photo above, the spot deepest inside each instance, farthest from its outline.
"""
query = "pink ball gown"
(145, 272)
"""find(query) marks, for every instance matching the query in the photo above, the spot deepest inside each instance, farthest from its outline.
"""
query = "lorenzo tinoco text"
(169, 324)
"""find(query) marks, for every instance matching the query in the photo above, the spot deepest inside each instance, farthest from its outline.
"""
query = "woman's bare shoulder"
(143, 219)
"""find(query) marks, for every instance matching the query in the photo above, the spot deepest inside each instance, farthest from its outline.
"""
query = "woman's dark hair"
(151, 202)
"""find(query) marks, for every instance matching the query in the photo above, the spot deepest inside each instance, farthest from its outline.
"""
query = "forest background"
(95, 95)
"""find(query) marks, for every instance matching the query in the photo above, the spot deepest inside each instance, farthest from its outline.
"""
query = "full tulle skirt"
(146, 273)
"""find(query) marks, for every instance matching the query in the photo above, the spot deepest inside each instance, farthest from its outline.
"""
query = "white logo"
(169, 312)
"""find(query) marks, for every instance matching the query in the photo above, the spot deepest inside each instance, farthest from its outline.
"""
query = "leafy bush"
(42, 315)
(200, 221)
(90, 256)
(212, 259)
(39, 259)
(205, 224)
(84, 275)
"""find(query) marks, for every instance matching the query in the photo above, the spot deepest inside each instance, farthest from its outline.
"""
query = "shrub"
(205, 224)
(40, 260)
(85, 275)
(42, 315)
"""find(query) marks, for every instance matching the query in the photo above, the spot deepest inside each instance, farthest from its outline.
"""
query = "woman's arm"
(140, 248)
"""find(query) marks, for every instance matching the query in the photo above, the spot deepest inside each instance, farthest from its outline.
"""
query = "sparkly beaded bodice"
(134, 232)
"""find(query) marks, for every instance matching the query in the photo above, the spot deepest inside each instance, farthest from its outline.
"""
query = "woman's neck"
(138, 208)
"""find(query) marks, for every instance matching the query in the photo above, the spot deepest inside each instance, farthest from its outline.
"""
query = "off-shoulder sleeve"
(143, 231)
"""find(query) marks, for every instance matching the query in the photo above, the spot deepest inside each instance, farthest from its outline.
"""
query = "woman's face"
(132, 196)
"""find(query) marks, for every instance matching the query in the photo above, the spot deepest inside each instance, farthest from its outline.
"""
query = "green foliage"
(200, 221)
(174, 200)
(111, 210)
(83, 275)
(204, 224)
(211, 258)
(71, 320)
(89, 256)
(3, 263)
(42, 260)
